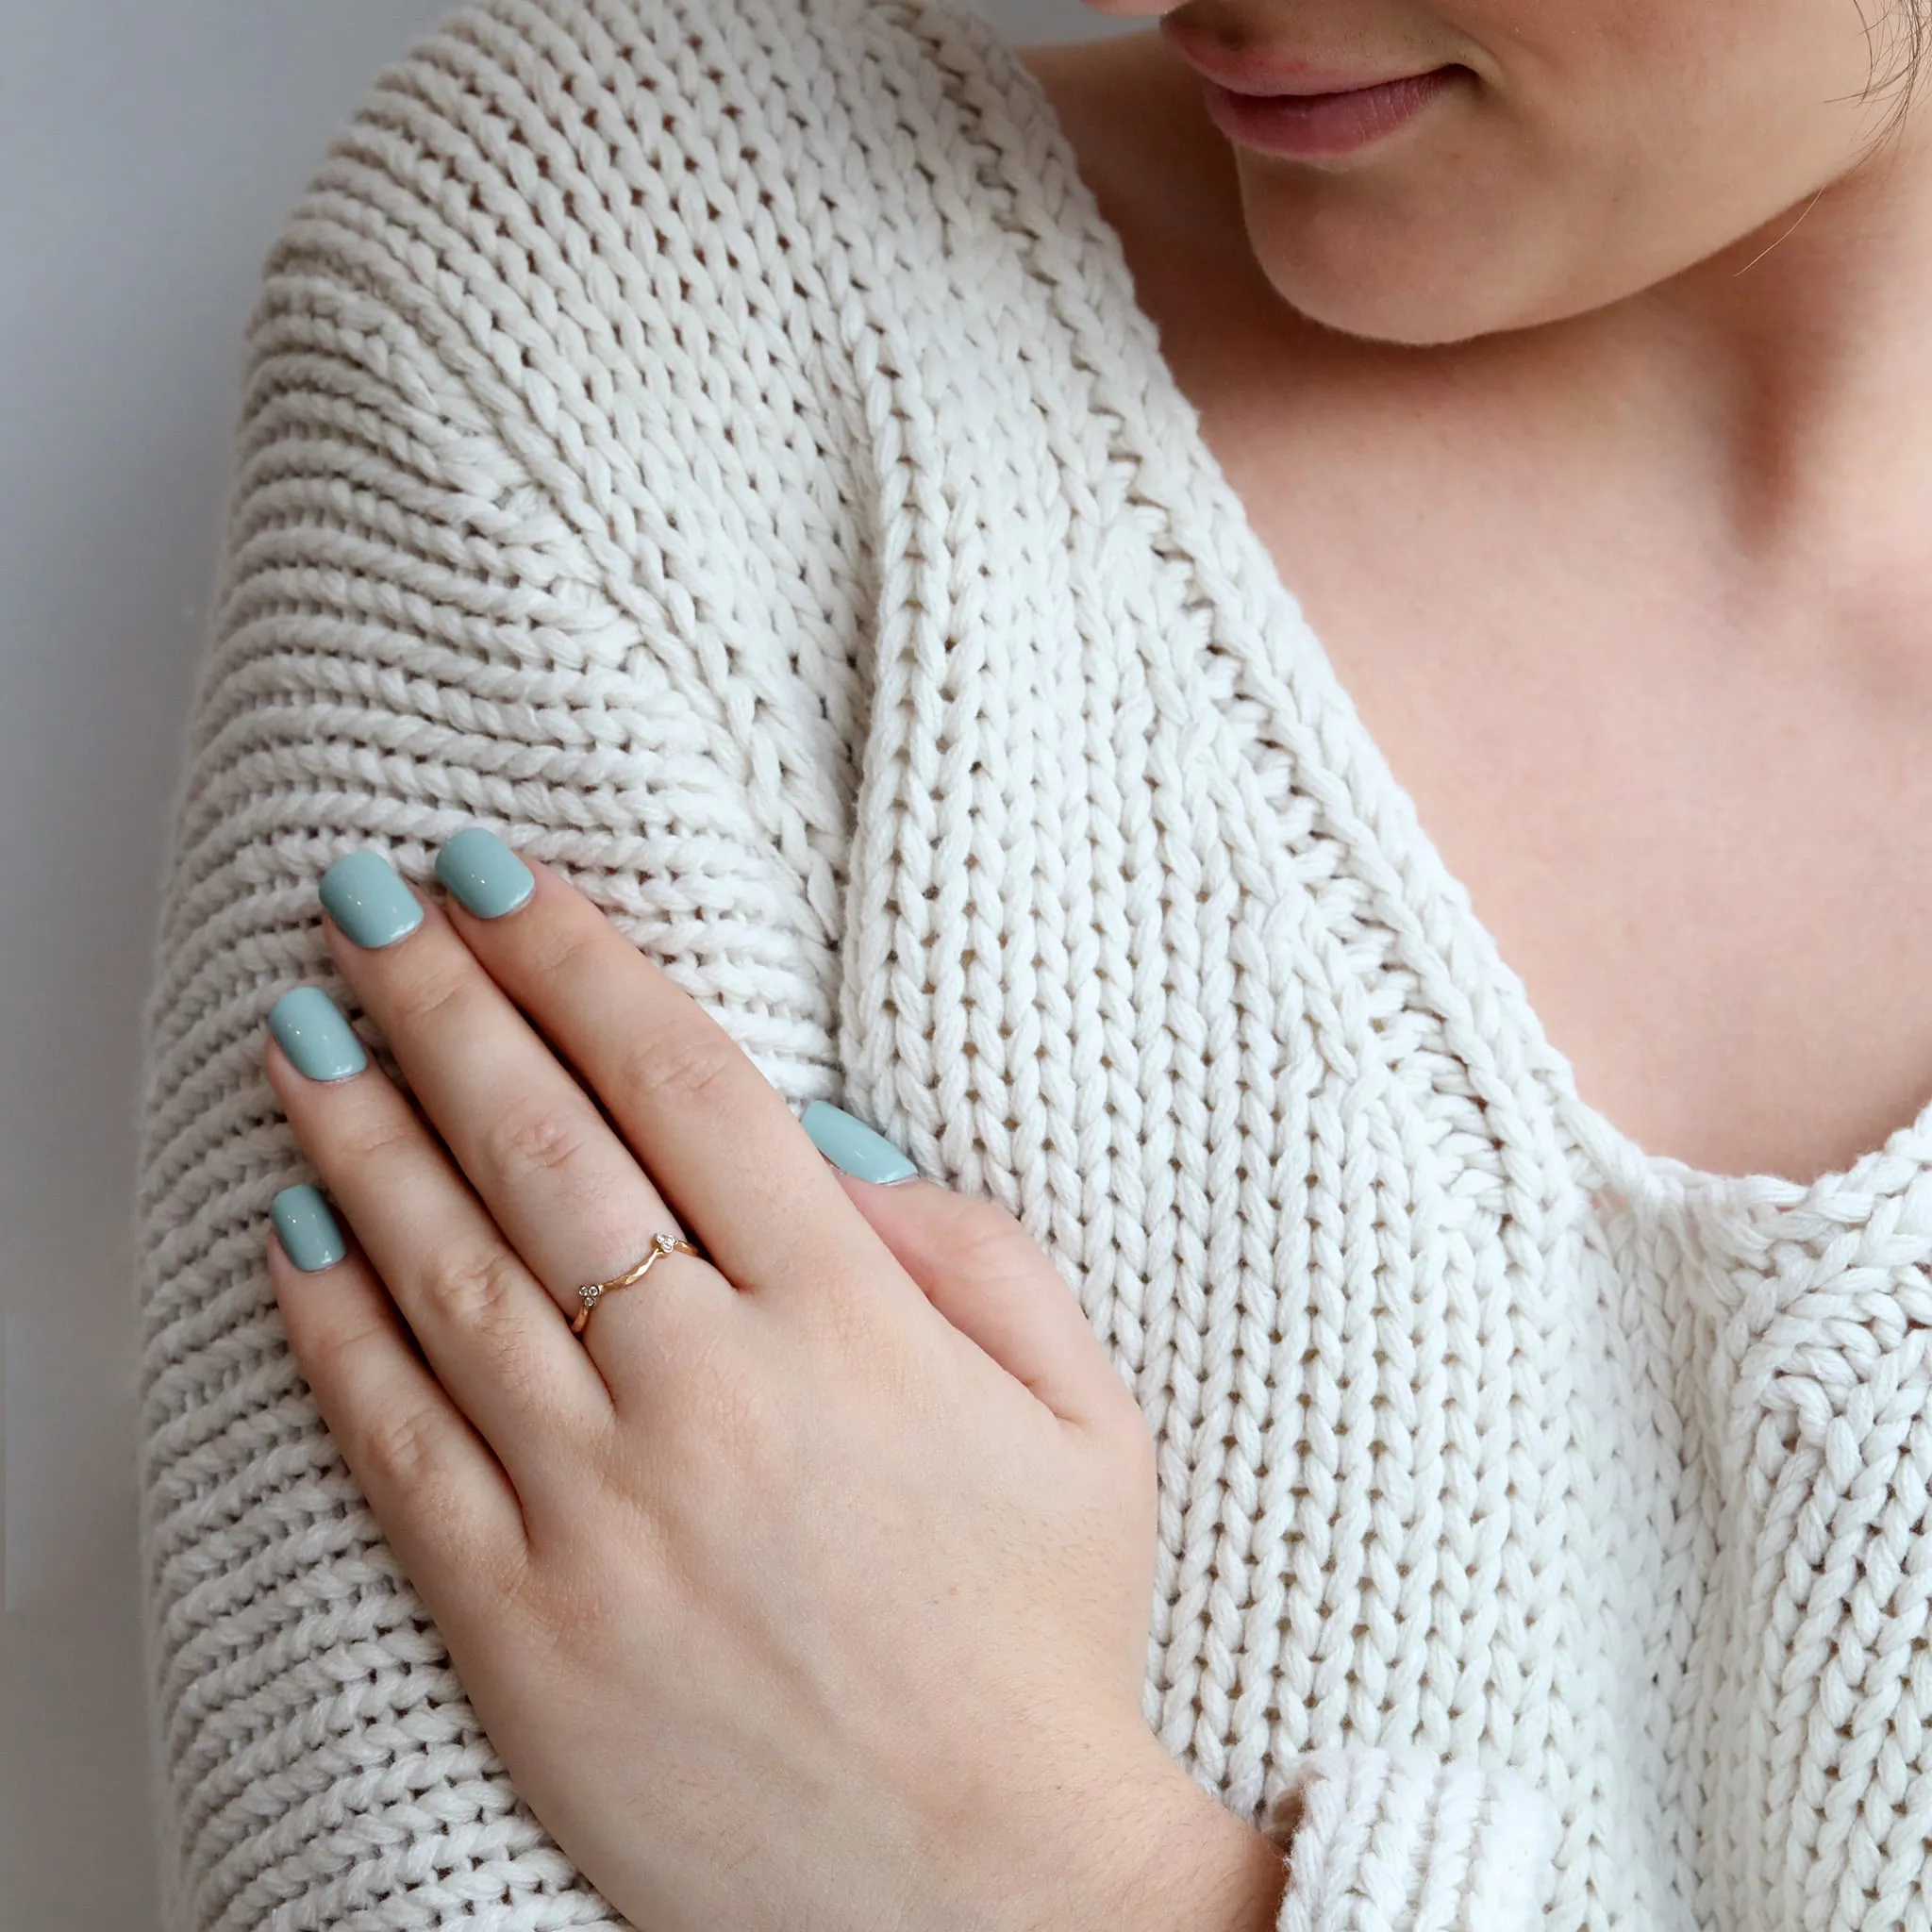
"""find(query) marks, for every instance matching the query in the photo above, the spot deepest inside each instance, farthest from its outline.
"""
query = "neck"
(1799, 363)
(1787, 380)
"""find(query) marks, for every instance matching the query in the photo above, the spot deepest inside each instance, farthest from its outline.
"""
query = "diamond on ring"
(661, 1245)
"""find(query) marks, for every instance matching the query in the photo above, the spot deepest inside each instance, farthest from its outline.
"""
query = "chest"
(1697, 821)
(1704, 842)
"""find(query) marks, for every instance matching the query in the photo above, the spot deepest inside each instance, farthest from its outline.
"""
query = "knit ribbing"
(715, 442)
(1386, 1842)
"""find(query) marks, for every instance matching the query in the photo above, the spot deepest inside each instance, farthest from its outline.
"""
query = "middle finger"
(567, 1193)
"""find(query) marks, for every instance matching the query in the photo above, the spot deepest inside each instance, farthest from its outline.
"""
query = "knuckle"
(688, 1065)
(376, 1138)
(334, 1354)
(536, 1144)
(405, 1444)
(557, 949)
(476, 1289)
(409, 1456)
(576, 1616)
(985, 1236)
(421, 994)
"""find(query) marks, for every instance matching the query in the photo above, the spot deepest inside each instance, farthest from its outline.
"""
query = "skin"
(809, 1586)
(1626, 339)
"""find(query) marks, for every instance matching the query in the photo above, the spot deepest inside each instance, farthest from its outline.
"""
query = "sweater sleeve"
(450, 595)
(1393, 1842)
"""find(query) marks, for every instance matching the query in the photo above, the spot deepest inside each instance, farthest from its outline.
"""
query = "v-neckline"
(1172, 447)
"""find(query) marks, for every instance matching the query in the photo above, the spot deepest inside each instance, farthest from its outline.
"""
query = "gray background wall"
(146, 155)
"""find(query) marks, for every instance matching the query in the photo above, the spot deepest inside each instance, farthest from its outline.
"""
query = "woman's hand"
(810, 1587)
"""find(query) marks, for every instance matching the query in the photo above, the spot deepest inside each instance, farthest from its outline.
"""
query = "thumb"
(979, 1268)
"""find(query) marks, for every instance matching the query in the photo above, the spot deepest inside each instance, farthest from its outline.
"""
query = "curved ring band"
(661, 1245)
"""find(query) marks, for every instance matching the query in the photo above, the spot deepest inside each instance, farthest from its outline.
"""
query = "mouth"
(1326, 127)
(1289, 105)
(1277, 76)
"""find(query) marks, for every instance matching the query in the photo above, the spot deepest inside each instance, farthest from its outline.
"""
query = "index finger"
(715, 1136)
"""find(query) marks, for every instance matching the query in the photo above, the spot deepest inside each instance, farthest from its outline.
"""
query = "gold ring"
(594, 1292)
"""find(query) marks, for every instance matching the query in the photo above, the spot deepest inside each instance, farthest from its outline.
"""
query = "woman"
(814, 603)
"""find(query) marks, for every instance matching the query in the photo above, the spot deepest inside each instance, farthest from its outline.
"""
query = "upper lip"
(1263, 76)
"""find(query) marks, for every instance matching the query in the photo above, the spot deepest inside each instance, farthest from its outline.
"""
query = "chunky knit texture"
(715, 442)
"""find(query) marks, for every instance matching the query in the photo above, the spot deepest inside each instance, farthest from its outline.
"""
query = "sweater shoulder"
(538, 154)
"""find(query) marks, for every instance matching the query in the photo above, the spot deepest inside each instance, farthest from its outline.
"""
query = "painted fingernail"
(314, 1034)
(308, 1229)
(852, 1147)
(365, 895)
(484, 873)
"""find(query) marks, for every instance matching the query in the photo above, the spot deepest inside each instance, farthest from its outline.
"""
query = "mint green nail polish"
(308, 1229)
(852, 1147)
(485, 873)
(365, 895)
(314, 1034)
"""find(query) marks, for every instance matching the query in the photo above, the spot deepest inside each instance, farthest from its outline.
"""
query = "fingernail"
(314, 1034)
(365, 895)
(852, 1148)
(484, 873)
(308, 1229)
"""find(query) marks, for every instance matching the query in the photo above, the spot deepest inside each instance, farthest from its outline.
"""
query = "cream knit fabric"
(715, 442)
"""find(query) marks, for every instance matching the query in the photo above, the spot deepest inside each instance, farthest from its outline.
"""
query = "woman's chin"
(1406, 278)
(1393, 297)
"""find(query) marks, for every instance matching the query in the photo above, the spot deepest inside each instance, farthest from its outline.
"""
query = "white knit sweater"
(716, 443)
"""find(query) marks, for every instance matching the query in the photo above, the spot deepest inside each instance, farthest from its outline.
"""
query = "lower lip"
(1322, 127)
